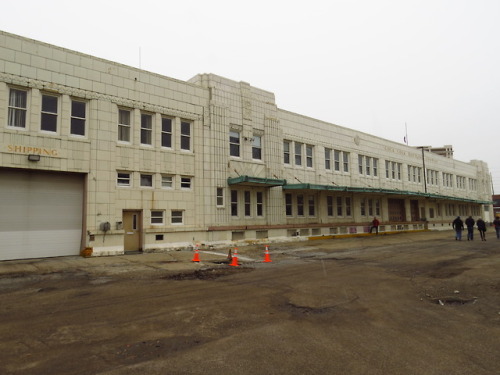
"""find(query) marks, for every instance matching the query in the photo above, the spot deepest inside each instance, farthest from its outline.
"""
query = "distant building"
(496, 205)
(95, 154)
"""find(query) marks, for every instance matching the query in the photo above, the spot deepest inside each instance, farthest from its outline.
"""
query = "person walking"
(375, 224)
(496, 223)
(481, 227)
(469, 223)
(458, 225)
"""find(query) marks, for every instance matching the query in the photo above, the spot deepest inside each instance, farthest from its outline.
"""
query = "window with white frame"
(247, 203)
(124, 125)
(123, 179)
(146, 180)
(311, 205)
(360, 163)
(362, 207)
(329, 205)
(220, 197)
(78, 117)
(166, 132)
(48, 119)
(298, 153)
(177, 217)
(234, 203)
(340, 207)
(336, 159)
(157, 217)
(345, 158)
(375, 167)
(328, 158)
(186, 182)
(185, 135)
(259, 204)
(288, 204)
(257, 147)
(348, 206)
(234, 143)
(300, 205)
(18, 105)
(286, 152)
(146, 129)
(167, 181)
(309, 156)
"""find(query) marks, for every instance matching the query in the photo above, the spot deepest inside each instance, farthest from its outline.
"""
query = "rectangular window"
(185, 135)
(339, 207)
(220, 197)
(393, 170)
(185, 182)
(146, 180)
(49, 113)
(346, 161)
(348, 206)
(328, 157)
(286, 152)
(166, 132)
(146, 129)
(298, 153)
(123, 179)
(124, 125)
(288, 204)
(78, 116)
(377, 207)
(368, 165)
(309, 156)
(300, 205)
(329, 205)
(311, 204)
(234, 143)
(167, 182)
(375, 167)
(336, 160)
(234, 203)
(157, 217)
(18, 102)
(370, 207)
(177, 217)
(257, 147)
(362, 207)
(247, 201)
(387, 169)
(360, 164)
(260, 203)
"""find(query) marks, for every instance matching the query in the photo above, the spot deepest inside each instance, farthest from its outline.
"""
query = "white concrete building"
(95, 154)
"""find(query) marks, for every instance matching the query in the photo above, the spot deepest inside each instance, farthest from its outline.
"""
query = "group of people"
(458, 226)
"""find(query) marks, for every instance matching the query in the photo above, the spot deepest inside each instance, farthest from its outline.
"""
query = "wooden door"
(132, 227)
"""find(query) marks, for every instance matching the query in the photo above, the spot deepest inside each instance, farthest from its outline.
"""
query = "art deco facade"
(101, 155)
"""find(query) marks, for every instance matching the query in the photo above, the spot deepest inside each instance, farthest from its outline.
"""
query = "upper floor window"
(298, 153)
(146, 129)
(123, 179)
(257, 147)
(48, 120)
(328, 157)
(234, 143)
(157, 217)
(78, 117)
(166, 132)
(286, 152)
(186, 182)
(146, 180)
(185, 135)
(345, 158)
(124, 125)
(309, 156)
(220, 197)
(167, 182)
(18, 102)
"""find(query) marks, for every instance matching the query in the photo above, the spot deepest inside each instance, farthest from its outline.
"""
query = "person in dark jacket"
(469, 223)
(375, 224)
(458, 225)
(481, 227)
(496, 223)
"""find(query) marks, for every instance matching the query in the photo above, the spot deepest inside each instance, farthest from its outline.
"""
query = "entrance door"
(414, 210)
(132, 227)
(397, 210)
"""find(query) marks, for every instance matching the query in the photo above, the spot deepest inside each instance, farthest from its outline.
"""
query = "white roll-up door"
(40, 214)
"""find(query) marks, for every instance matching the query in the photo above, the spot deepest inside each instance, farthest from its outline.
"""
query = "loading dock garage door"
(40, 214)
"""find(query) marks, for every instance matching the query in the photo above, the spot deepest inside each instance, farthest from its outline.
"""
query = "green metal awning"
(255, 181)
(353, 189)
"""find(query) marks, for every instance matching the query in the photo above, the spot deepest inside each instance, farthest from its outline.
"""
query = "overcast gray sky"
(370, 65)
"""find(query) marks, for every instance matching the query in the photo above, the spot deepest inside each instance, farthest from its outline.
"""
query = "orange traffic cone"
(267, 258)
(196, 257)
(234, 261)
